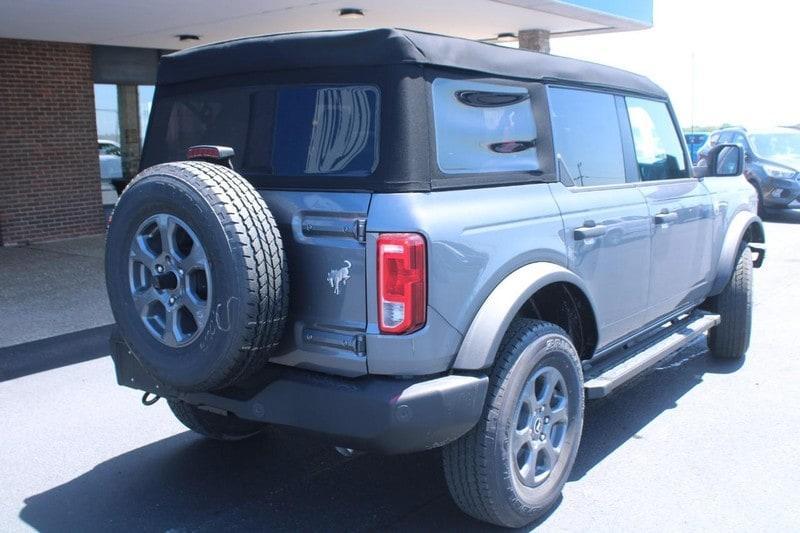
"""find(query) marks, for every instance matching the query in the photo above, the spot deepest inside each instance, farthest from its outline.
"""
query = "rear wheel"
(731, 338)
(511, 467)
(213, 425)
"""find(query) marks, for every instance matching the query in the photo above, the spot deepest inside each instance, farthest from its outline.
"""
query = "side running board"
(602, 380)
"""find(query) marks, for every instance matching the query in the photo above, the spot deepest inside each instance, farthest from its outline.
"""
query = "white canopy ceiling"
(157, 23)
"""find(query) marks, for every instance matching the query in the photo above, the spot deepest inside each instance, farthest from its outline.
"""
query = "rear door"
(324, 238)
(679, 205)
(606, 220)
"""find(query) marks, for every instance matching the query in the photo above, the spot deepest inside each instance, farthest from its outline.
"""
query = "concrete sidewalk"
(52, 289)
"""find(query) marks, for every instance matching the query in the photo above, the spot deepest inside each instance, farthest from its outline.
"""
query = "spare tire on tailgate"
(196, 275)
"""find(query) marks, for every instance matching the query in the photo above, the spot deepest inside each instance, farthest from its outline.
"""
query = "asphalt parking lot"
(696, 444)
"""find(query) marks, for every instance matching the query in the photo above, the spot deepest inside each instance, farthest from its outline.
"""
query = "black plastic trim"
(490, 98)
(380, 414)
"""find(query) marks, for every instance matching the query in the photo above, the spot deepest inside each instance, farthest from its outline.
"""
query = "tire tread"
(731, 338)
(468, 461)
(251, 229)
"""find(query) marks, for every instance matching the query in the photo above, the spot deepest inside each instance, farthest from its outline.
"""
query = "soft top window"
(483, 127)
(326, 130)
(296, 130)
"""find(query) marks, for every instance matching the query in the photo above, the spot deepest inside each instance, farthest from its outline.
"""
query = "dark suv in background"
(772, 161)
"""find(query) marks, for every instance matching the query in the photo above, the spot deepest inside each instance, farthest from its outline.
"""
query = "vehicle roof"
(388, 46)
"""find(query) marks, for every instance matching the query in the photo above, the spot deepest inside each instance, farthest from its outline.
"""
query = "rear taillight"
(402, 285)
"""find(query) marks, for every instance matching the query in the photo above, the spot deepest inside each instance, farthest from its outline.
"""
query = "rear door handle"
(589, 230)
(665, 218)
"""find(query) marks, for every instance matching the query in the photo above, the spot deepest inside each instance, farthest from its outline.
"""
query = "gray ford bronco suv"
(402, 241)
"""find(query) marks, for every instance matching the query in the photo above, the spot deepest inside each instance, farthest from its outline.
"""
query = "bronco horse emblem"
(338, 277)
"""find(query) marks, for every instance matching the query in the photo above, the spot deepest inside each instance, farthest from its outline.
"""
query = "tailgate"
(323, 235)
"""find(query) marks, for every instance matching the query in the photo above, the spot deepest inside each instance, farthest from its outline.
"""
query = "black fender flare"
(486, 332)
(742, 223)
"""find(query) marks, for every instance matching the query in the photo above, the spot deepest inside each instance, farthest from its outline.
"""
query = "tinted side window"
(483, 127)
(586, 136)
(658, 148)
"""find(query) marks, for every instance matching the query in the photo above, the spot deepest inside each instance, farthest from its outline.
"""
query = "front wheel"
(731, 338)
(510, 468)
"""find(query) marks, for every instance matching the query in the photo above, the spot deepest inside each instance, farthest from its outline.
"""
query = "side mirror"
(725, 160)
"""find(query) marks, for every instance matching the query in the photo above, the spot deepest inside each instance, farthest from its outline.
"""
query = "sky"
(721, 61)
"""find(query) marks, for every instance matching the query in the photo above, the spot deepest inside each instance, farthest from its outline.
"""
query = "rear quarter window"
(483, 127)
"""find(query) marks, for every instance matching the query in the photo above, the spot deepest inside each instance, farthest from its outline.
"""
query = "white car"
(110, 170)
(110, 160)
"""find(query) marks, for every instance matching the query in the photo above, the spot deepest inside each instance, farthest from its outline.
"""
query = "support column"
(129, 132)
(536, 40)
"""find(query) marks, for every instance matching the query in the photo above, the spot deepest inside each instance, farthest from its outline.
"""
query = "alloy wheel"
(540, 426)
(170, 279)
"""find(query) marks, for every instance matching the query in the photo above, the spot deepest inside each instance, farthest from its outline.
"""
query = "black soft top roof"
(355, 48)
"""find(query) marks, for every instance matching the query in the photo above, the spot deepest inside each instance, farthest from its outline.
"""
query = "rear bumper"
(378, 414)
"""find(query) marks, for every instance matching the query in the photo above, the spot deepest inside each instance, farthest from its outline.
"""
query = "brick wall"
(49, 170)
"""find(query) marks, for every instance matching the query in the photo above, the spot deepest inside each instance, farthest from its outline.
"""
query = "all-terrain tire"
(245, 312)
(731, 338)
(213, 425)
(478, 467)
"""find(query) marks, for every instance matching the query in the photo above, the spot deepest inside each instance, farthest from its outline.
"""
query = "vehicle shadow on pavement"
(289, 481)
(53, 352)
(276, 481)
(610, 422)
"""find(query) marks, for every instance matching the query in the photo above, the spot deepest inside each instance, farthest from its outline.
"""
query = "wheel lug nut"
(171, 300)
(547, 420)
(541, 437)
(159, 269)
(180, 272)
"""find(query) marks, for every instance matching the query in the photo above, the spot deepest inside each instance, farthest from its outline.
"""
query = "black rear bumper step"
(601, 380)
(378, 414)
